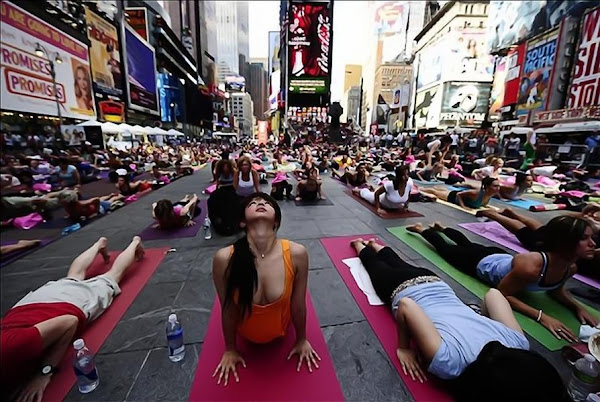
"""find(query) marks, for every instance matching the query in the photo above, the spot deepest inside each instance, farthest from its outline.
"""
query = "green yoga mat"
(539, 300)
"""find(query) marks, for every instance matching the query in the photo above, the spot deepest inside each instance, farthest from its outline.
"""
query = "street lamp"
(52, 58)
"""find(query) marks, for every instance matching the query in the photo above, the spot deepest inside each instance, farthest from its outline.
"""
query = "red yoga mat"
(98, 331)
(389, 215)
(380, 319)
(268, 375)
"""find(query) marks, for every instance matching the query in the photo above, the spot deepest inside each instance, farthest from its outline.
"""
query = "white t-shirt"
(391, 199)
(547, 171)
(486, 171)
(434, 144)
(454, 139)
(513, 143)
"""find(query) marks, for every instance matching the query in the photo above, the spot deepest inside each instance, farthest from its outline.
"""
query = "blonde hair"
(78, 92)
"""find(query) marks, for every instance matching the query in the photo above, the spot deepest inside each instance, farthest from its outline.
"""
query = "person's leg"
(510, 224)
(453, 234)
(20, 245)
(531, 223)
(133, 252)
(365, 194)
(498, 309)
(391, 258)
(80, 264)
(442, 194)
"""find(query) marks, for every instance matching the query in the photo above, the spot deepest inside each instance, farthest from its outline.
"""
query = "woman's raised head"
(244, 164)
(260, 206)
(490, 184)
(571, 235)
(163, 209)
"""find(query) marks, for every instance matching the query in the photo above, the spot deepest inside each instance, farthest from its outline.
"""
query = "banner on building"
(427, 107)
(513, 21)
(26, 81)
(400, 96)
(465, 57)
(141, 73)
(536, 72)
(138, 20)
(567, 115)
(585, 79)
(514, 60)
(497, 94)
(105, 59)
(72, 135)
(464, 103)
(170, 98)
(391, 20)
(234, 82)
(112, 111)
(274, 45)
(430, 65)
(309, 44)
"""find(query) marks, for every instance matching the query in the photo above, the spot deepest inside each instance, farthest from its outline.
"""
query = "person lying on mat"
(468, 199)
(309, 189)
(78, 209)
(531, 233)
(567, 240)
(428, 173)
(452, 339)
(390, 195)
(67, 174)
(128, 188)
(355, 178)
(523, 182)
(176, 215)
(246, 181)
(37, 331)
(261, 283)
(493, 170)
(21, 245)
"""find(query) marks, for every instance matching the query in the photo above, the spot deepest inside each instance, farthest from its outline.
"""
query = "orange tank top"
(270, 321)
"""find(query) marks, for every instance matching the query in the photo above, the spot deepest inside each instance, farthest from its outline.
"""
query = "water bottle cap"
(173, 318)
(78, 344)
(589, 358)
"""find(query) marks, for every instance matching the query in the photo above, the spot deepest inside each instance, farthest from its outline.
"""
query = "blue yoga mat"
(525, 204)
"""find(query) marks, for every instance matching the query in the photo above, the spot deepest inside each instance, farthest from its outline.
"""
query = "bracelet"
(539, 316)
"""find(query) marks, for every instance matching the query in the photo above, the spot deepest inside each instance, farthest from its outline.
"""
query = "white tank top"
(245, 188)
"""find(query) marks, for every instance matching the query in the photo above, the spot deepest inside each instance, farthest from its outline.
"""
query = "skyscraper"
(232, 33)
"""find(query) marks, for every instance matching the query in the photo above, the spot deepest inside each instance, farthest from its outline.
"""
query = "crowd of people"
(261, 280)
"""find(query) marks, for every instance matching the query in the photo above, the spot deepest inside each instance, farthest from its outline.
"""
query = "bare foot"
(102, 243)
(437, 226)
(139, 251)
(508, 213)
(356, 242)
(298, 198)
(372, 242)
(416, 228)
(28, 243)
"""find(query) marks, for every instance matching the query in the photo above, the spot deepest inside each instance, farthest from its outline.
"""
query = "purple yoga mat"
(497, 233)
(151, 233)
(11, 257)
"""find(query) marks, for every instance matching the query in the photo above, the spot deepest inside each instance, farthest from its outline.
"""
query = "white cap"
(121, 172)
(588, 357)
(173, 319)
(78, 344)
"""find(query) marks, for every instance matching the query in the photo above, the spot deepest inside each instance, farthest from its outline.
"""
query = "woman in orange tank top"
(261, 282)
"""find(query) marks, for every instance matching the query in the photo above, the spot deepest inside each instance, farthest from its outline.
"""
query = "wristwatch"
(47, 370)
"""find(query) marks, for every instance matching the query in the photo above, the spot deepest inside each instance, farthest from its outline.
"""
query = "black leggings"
(464, 255)
(387, 271)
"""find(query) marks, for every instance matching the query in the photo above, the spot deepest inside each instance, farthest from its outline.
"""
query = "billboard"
(274, 45)
(141, 73)
(585, 79)
(235, 83)
(309, 48)
(514, 60)
(427, 107)
(430, 66)
(536, 72)
(465, 57)
(26, 80)
(514, 21)
(464, 103)
(104, 55)
(391, 19)
(138, 20)
(497, 94)
(170, 98)
(400, 96)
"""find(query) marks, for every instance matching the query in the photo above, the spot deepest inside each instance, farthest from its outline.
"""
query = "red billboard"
(514, 60)
(585, 80)
(309, 43)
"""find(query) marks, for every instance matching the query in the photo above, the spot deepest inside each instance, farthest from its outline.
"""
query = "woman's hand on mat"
(381, 211)
(585, 317)
(190, 223)
(558, 329)
(305, 351)
(409, 360)
(34, 390)
(228, 363)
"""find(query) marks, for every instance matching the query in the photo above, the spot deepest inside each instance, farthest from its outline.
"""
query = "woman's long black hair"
(241, 275)
(563, 233)
(400, 172)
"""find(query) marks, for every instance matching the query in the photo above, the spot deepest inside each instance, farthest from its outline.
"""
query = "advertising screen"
(170, 98)
(391, 21)
(465, 57)
(235, 83)
(427, 107)
(141, 73)
(25, 78)
(514, 60)
(536, 72)
(137, 19)
(309, 48)
(430, 66)
(497, 94)
(104, 55)
(274, 45)
(465, 103)
(585, 80)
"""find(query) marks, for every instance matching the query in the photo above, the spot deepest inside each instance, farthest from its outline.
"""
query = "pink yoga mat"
(268, 375)
(98, 331)
(380, 319)
(152, 233)
(389, 215)
(497, 233)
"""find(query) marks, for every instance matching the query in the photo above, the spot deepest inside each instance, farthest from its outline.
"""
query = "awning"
(110, 128)
(172, 131)
(90, 123)
(561, 128)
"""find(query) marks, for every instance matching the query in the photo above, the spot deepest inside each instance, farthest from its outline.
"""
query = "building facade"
(232, 34)
(257, 86)
(242, 108)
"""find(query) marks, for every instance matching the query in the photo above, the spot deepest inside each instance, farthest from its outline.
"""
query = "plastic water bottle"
(175, 339)
(85, 368)
(583, 378)
(207, 234)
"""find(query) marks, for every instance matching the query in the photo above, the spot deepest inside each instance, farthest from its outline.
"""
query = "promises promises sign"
(585, 84)
(26, 80)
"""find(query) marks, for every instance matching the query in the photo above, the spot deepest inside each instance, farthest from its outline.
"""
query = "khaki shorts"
(93, 296)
